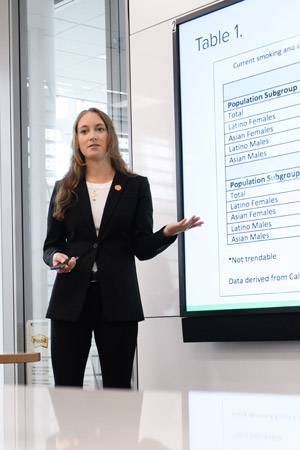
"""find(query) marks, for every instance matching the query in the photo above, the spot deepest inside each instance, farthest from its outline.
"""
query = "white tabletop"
(37, 418)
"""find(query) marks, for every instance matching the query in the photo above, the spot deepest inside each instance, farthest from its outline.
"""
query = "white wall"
(164, 362)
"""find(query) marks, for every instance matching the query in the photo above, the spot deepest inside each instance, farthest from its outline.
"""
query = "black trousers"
(71, 342)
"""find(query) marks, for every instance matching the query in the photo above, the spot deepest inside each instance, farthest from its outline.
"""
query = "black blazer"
(125, 232)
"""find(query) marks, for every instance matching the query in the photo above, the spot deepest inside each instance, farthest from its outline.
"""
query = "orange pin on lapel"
(118, 187)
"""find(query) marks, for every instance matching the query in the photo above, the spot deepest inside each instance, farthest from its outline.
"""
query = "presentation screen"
(237, 67)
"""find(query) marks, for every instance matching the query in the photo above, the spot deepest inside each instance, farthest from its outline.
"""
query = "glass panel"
(6, 233)
(66, 72)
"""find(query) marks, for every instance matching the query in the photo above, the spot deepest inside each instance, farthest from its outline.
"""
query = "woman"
(101, 214)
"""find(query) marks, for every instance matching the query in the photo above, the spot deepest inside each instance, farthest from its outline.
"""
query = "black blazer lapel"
(115, 193)
(85, 204)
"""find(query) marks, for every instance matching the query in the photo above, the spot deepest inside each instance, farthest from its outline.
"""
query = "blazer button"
(95, 245)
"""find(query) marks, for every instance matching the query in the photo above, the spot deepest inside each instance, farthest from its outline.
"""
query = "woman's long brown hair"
(66, 186)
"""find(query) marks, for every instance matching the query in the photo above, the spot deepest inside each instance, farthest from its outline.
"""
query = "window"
(75, 59)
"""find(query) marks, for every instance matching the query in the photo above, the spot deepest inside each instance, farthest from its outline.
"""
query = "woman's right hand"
(61, 258)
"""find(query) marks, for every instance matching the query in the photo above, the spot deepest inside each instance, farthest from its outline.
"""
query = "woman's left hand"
(180, 227)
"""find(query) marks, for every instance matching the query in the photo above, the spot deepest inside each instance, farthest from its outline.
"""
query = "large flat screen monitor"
(237, 90)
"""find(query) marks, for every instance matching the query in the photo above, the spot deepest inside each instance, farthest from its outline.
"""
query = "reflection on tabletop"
(36, 418)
